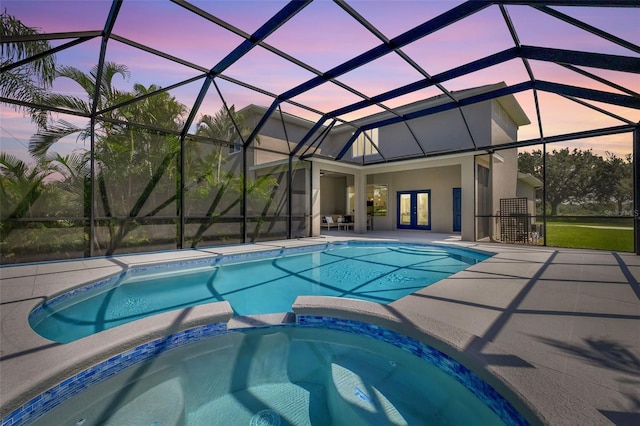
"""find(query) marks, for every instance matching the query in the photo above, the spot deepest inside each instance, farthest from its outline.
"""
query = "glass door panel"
(405, 209)
(414, 209)
(423, 209)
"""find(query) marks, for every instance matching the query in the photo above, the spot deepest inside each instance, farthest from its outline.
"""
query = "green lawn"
(587, 235)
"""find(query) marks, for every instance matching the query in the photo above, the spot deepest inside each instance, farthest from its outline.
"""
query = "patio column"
(467, 179)
(315, 199)
(360, 189)
(636, 189)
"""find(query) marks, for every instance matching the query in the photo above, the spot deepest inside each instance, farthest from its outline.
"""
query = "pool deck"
(560, 327)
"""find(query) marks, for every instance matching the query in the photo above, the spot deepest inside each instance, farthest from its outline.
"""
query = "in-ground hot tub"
(320, 371)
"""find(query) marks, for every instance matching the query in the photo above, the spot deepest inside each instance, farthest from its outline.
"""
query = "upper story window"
(366, 143)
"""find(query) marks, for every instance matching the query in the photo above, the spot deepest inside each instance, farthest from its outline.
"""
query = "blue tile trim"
(482, 390)
(70, 387)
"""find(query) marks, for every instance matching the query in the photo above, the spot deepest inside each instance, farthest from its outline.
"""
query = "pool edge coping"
(520, 383)
(71, 292)
(524, 388)
(67, 360)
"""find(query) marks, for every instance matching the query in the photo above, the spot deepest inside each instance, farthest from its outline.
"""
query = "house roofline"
(530, 180)
(509, 103)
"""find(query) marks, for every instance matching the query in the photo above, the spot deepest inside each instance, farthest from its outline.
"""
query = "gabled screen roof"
(353, 63)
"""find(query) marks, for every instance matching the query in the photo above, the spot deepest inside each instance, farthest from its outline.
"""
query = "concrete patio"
(561, 326)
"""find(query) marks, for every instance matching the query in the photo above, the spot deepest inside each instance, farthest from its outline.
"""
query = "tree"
(221, 185)
(135, 167)
(223, 126)
(20, 187)
(42, 141)
(29, 82)
(614, 180)
(570, 175)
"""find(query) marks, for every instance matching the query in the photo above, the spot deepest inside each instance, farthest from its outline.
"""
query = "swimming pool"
(288, 375)
(257, 283)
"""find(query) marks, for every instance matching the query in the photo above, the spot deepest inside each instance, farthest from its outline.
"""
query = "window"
(377, 200)
(366, 143)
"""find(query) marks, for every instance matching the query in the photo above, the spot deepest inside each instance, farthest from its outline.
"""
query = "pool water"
(278, 376)
(380, 273)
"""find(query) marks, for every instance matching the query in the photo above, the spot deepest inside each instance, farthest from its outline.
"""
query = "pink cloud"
(393, 18)
(558, 34)
(264, 69)
(472, 38)
(324, 97)
(60, 16)
(619, 22)
(323, 36)
(248, 18)
(384, 74)
(172, 29)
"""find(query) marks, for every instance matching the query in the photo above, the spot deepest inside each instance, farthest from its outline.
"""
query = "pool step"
(266, 405)
(161, 405)
(359, 402)
(183, 272)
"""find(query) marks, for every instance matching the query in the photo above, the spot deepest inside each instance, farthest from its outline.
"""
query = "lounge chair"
(327, 222)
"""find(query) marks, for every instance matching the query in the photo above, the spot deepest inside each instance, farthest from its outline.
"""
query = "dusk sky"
(323, 36)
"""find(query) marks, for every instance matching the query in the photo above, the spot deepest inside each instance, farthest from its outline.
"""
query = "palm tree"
(20, 187)
(223, 126)
(27, 83)
(132, 164)
(42, 141)
(226, 125)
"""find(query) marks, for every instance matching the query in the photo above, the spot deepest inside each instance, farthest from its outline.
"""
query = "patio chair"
(327, 222)
(344, 222)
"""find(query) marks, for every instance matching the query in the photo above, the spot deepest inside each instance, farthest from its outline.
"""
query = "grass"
(585, 235)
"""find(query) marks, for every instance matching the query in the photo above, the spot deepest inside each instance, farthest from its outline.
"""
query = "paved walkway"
(573, 314)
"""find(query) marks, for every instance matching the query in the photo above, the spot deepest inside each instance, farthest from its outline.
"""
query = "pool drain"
(265, 418)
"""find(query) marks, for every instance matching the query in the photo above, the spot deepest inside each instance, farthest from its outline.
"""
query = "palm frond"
(11, 165)
(40, 143)
(109, 70)
(42, 69)
(79, 77)
(73, 165)
(73, 103)
(19, 86)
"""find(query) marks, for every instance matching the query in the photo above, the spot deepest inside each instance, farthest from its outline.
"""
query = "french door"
(414, 209)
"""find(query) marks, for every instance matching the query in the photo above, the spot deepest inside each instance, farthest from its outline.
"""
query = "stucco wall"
(503, 128)
(434, 133)
(333, 199)
(528, 191)
(295, 131)
(504, 174)
(437, 132)
(262, 154)
(504, 177)
(440, 180)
